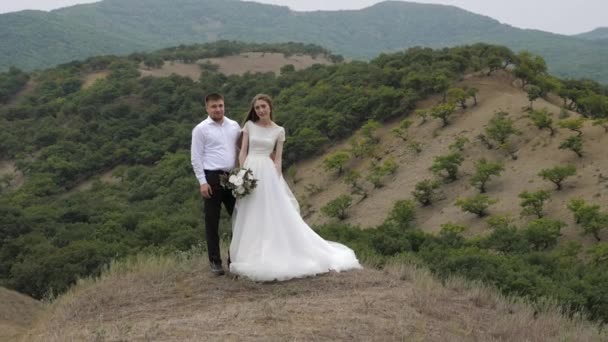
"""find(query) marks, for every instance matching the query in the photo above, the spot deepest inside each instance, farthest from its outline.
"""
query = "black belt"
(216, 171)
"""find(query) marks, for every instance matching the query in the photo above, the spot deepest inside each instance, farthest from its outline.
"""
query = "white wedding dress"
(270, 239)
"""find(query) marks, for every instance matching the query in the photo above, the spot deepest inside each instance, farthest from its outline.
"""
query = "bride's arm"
(278, 157)
(244, 148)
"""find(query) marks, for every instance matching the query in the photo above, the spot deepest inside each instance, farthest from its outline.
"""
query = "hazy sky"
(566, 16)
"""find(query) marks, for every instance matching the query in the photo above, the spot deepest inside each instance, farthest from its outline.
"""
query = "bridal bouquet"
(240, 181)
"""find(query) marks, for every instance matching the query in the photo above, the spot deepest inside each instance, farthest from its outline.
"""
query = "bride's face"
(262, 109)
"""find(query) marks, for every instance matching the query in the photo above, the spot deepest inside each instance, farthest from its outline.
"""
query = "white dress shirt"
(214, 146)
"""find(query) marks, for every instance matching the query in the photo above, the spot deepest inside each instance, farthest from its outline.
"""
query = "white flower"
(232, 179)
(241, 173)
(238, 181)
(240, 190)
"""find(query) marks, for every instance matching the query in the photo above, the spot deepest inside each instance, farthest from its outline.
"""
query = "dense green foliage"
(522, 262)
(11, 82)
(35, 39)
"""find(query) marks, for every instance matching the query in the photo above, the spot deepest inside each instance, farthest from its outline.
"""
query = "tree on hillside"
(483, 171)
(425, 192)
(501, 128)
(542, 233)
(533, 202)
(403, 214)
(458, 144)
(422, 114)
(379, 171)
(448, 163)
(336, 161)
(575, 124)
(443, 112)
(477, 204)
(338, 207)
(534, 93)
(401, 130)
(589, 216)
(351, 178)
(557, 174)
(542, 119)
(458, 95)
(472, 92)
(573, 143)
(529, 67)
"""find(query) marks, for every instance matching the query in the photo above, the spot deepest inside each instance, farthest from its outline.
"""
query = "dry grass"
(252, 62)
(17, 313)
(175, 299)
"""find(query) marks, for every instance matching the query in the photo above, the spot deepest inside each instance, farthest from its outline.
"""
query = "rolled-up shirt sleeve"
(196, 154)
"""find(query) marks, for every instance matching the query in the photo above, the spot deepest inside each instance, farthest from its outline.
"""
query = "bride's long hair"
(252, 115)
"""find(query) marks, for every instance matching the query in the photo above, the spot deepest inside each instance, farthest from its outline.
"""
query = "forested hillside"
(130, 135)
(33, 39)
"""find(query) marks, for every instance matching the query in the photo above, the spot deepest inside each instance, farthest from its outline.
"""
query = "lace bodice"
(263, 139)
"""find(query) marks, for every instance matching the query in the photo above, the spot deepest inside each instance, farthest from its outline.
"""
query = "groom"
(213, 153)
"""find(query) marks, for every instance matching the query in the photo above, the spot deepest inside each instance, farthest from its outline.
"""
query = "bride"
(270, 239)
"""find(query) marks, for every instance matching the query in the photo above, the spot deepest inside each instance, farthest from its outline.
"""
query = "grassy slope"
(175, 299)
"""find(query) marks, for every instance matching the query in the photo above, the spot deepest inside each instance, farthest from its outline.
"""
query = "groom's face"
(215, 109)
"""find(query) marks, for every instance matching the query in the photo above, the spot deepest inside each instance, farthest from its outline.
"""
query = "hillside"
(597, 34)
(17, 314)
(96, 168)
(175, 299)
(536, 150)
(36, 39)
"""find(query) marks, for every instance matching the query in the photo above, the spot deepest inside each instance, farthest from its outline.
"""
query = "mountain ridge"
(384, 27)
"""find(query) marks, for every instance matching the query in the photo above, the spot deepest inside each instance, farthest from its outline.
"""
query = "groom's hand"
(206, 191)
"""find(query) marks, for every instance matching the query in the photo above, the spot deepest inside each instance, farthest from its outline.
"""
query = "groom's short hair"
(213, 97)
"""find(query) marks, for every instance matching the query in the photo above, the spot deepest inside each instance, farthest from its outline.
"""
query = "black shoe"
(217, 269)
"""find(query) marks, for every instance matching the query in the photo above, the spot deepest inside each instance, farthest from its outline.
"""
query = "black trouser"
(213, 207)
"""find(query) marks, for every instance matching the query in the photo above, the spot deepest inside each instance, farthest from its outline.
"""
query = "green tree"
(403, 214)
(534, 93)
(423, 114)
(338, 207)
(458, 145)
(574, 144)
(529, 68)
(501, 128)
(477, 204)
(448, 163)
(443, 112)
(472, 92)
(557, 174)
(379, 171)
(352, 178)
(575, 124)
(425, 192)
(533, 202)
(483, 171)
(336, 161)
(599, 253)
(542, 233)
(458, 95)
(542, 120)
(401, 130)
(451, 234)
